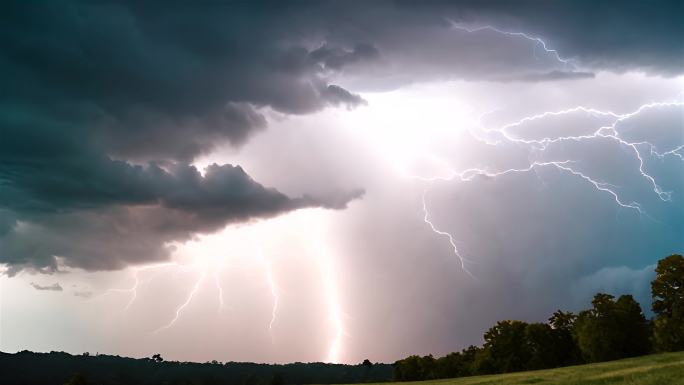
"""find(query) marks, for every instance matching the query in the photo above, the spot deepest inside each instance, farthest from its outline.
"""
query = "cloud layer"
(106, 105)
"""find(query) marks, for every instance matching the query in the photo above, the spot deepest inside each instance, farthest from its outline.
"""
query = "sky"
(330, 181)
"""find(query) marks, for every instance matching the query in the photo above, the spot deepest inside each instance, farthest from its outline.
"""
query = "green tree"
(541, 344)
(507, 346)
(408, 369)
(612, 329)
(562, 320)
(565, 346)
(667, 290)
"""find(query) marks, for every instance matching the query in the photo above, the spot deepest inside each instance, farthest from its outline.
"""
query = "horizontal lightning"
(538, 42)
(608, 131)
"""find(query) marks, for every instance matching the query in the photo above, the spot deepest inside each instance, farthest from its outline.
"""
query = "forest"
(613, 328)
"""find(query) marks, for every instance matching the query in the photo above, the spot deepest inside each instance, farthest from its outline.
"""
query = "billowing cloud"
(98, 213)
(106, 107)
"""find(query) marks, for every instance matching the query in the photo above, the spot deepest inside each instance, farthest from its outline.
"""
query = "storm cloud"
(133, 133)
(106, 105)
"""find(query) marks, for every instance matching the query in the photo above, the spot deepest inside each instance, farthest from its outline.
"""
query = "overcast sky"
(330, 181)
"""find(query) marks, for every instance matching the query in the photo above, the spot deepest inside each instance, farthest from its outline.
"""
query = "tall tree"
(507, 346)
(565, 346)
(612, 329)
(540, 340)
(667, 290)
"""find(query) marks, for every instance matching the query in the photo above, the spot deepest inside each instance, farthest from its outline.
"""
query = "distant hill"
(59, 368)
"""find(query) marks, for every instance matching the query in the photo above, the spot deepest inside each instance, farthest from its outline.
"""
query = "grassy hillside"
(656, 369)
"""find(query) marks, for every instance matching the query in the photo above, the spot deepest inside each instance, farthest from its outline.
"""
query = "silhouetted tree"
(157, 358)
(408, 369)
(507, 346)
(667, 290)
(611, 329)
(565, 347)
(367, 363)
(562, 320)
(540, 340)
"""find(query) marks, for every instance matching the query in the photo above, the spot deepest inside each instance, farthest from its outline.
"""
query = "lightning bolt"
(334, 311)
(608, 131)
(674, 152)
(191, 295)
(538, 42)
(274, 293)
(136, 282)
(219, 288)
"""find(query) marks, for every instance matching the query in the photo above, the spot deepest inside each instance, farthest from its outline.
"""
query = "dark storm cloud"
(336, 58)
(54, 287)
(149, 84)
(611, 35)
(105, 105)
(100, 213)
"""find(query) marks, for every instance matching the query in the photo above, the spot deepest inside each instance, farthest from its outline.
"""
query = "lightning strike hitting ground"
(334, 309)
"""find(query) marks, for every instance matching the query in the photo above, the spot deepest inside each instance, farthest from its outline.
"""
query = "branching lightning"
(609, 132)
(538, 42)
(136, 283)
(179, 310)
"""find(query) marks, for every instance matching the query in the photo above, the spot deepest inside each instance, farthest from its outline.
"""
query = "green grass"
(656, 369)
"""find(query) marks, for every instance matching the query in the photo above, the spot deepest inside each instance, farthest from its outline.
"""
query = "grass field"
(660, 369)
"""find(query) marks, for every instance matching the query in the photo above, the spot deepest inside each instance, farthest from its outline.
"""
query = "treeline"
(611, 329)
(59, 368)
